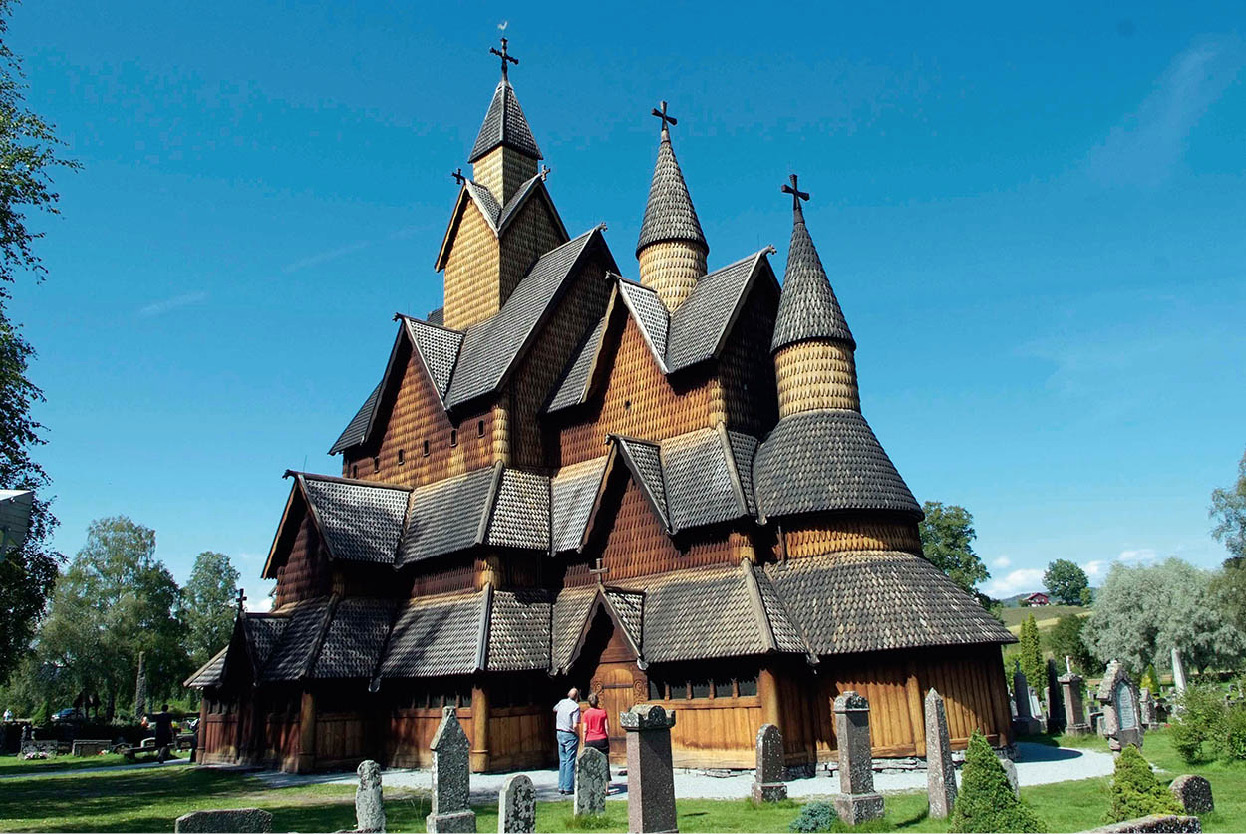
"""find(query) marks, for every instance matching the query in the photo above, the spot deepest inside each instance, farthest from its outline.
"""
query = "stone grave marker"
(768, 785)
(1056, 716)
(857, 800)
(90, 747)
(1075, 722)
(1178, 672)
(592, 779)
(940, 773)
(1119, 697)
(239, 820)
(1194, 794)
(650, 775)
(517, 805)
(1146, 709)
(369, 798)
(1010, 770)
(451, 813)
(1025, 723)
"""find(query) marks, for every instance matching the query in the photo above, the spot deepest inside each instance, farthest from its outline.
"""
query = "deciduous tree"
(1065, 640)
(1066, 582)
(947, 536)
(1228, 509)
(209, 605)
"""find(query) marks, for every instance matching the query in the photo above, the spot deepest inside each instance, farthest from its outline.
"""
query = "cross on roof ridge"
(458, 176)
(666, 119)
(797, 194)
(505, 56)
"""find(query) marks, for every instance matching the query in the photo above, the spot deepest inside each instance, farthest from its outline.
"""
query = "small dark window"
(700, 689)
(426, 448)
(748, 686)
(354, 471)
(679, 690)
(627, 404)
(454, 437)
(376, 464)
(402, 456)
(480, 428)
(656, 690)
(724, 688)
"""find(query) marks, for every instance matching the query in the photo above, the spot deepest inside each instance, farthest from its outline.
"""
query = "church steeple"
(505, 154)
(672, 249)
(812, 346)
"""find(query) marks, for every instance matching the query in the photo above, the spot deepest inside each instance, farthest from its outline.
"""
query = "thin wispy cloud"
(1146, 148)
(1001, 562)
(158, 308)
(326, 257)
(1015, 582)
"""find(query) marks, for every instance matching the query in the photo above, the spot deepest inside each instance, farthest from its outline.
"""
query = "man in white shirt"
(567, 725)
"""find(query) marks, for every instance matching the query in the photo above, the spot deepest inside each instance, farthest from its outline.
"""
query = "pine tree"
(1135, 790)
(986, 801)
(1031, 655)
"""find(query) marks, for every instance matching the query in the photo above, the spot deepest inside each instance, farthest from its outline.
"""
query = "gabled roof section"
(644, 460)
(808, 308)
(650, 314)
(449, 516)
(520, 515)
(519, 630)
(669, 213)
(827, 460)
(438, 348)
(504, 124)
(355, 637)
(703, 484)
(572, 389)
(356, 432)
(574, 491)
(296, 650)
(359, 521)
(625, 608)
(496, 216)
(263, 633)
(210, 673)
(435, 637)
(492, 348)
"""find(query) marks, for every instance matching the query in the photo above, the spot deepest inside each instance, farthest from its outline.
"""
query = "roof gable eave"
(760, 266)
(269, 564)
(656, 502)
(384, 386)
(601, 601)
(659, 353)
(456, 216)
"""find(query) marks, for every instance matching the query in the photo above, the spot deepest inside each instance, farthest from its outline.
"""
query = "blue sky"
(1033, 218)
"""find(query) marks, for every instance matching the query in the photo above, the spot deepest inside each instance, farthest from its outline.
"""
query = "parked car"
(67, 714)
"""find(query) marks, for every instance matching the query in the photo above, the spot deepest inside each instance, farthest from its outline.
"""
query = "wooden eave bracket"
(482, 634)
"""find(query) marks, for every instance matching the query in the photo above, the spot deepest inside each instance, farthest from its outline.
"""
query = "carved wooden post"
(480, 728)
(306, 759)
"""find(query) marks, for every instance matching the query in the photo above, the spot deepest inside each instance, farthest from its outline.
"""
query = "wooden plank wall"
(521, 737)
(341, 739)
(411, 732)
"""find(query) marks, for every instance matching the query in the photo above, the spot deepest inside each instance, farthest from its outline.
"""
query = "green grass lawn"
(10, 765)
(150, 799)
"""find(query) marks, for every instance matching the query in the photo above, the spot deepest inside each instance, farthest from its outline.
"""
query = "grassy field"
(10, 765)
(1045, 615)
(150, 799)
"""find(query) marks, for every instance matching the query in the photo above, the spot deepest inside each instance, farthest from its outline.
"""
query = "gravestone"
(1025, 723)
(517, 805)
(240, 820)
(1178, 672)
(1075, 722)
(1146, 709)
(90, 747)
(1194, 794)
(140, 689)
(369, 799)
(1056, 716)
(1119, 697)
(450, 778)
(857, 801)
(940, 774)
(768, 773)
(592, 778)
(650, 776)
(1036, 711)
(1010, 770)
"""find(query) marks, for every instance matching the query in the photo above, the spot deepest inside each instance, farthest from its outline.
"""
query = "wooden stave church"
(662, 490)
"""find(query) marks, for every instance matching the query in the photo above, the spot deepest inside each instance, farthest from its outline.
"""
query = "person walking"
(566, 726)
(164, 732)
(597, 728)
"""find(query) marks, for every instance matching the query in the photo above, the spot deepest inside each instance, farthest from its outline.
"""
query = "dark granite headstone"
(592, 779)
(650, 774)
(1194, 794)
(768, 785)
(857, 800)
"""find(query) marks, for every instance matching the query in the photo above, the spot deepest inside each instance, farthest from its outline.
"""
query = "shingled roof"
(669, 214)
(504, 124)
(573, 493)
(432, 638)
(356, 634)
(450, 516)
(873, 601)
(210, 673)
(808, 308)
(827, 460)
(296, 650)
(497, 217)
(519, 630)
(360, 522)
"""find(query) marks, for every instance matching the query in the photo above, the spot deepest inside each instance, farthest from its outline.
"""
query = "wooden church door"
(617, 687)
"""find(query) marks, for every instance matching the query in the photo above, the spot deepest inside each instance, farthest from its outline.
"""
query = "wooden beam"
(480, 728)
(917, 709)
(305, 761)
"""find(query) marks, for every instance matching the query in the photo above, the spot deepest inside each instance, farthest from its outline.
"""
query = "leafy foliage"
(209, 605)
(1030, 655)
(986, 801)
(1141, 613)
(1228, 509)
(1065, 640)
(1067, 582)
(814, 817)
(1135, 791)
(947, 541)
(1197, 722)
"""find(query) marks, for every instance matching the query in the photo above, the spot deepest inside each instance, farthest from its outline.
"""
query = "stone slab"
(453, 823)
(240, 820)
(517, 805)
(1194, 794)
(858, 808)
(1154, 823)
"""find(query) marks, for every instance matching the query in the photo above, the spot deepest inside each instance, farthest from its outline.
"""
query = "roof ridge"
(504, 125)
(758, 605)
(314, 476)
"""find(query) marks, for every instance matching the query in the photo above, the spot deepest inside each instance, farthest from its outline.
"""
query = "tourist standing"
(596, 726)
(8, 715)
(566, 725)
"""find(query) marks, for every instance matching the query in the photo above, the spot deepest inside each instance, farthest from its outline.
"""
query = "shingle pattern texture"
(808, 308)
(504, 124)
(698, 614)
(210, 673)
(521, 511)
(519, 631)
(744, 450)
(787, 636)
(497, 216)
(572, 494)
(484, 198)
(352, 645)
(700, 488)
(644, 459)
(292, 656)
(864, 602)
(263, 632)
(439, 348)
(825, 461)
(629, 607)
(432, 638)
(446, 516)
(573, 388)
(570, 609)
(669, 214)
(359, 523)
(356, 431)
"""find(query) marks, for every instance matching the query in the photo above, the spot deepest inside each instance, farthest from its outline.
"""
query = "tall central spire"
(672, 248)
(505, 154)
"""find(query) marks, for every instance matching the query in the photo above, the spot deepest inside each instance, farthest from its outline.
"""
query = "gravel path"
(1037, 764)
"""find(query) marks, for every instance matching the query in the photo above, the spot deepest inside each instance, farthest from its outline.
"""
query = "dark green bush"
(1230, 742)
(1135, 791)
(1199, 719)
(986, 801)
(814, 817)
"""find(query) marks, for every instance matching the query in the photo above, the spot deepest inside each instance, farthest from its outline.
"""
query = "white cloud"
(1015, 582)
(1001, 562)
(1144, 556)
(157, 308)
(259, 606)
(1095, 569)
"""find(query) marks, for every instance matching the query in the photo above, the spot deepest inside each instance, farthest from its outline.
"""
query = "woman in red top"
(596, 726)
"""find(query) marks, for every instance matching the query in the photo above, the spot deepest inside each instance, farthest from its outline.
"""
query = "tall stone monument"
(1121, 722)
(369, 798)
(768, 785)
(1178, 672)
(857, 800)
(592, 778)
(140, 690)
(451, 811)
(1055, 700)
(1075, 722)
(650, 775)
(1025, 723)
(517, 805)
(940, 774)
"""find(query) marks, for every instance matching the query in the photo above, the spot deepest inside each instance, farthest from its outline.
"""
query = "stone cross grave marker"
(241, 820)
(592, 778)
(1119, 697)
(517, 806)
(1075, 722)
(857, 801)
(940, 774)
(369, 800)
(650, 775)
(451, 812)
(768, 785)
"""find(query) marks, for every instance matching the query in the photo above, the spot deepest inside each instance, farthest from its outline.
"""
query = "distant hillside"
(1045, 615)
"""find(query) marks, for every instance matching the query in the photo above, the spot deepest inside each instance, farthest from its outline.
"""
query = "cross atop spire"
(242, 598)
(797, 194)
(666, 120)
(504, 55)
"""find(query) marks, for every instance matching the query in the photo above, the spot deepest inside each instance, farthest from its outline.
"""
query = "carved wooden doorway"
(617, 686)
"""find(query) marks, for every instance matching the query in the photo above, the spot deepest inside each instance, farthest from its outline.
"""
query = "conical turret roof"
(669, 215)
(504, 124)
(808, 308)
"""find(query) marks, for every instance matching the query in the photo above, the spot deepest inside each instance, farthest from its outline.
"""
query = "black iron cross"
(458, 176)
(797, 194)
(661, 114)
(242, 597)
(504, 56)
